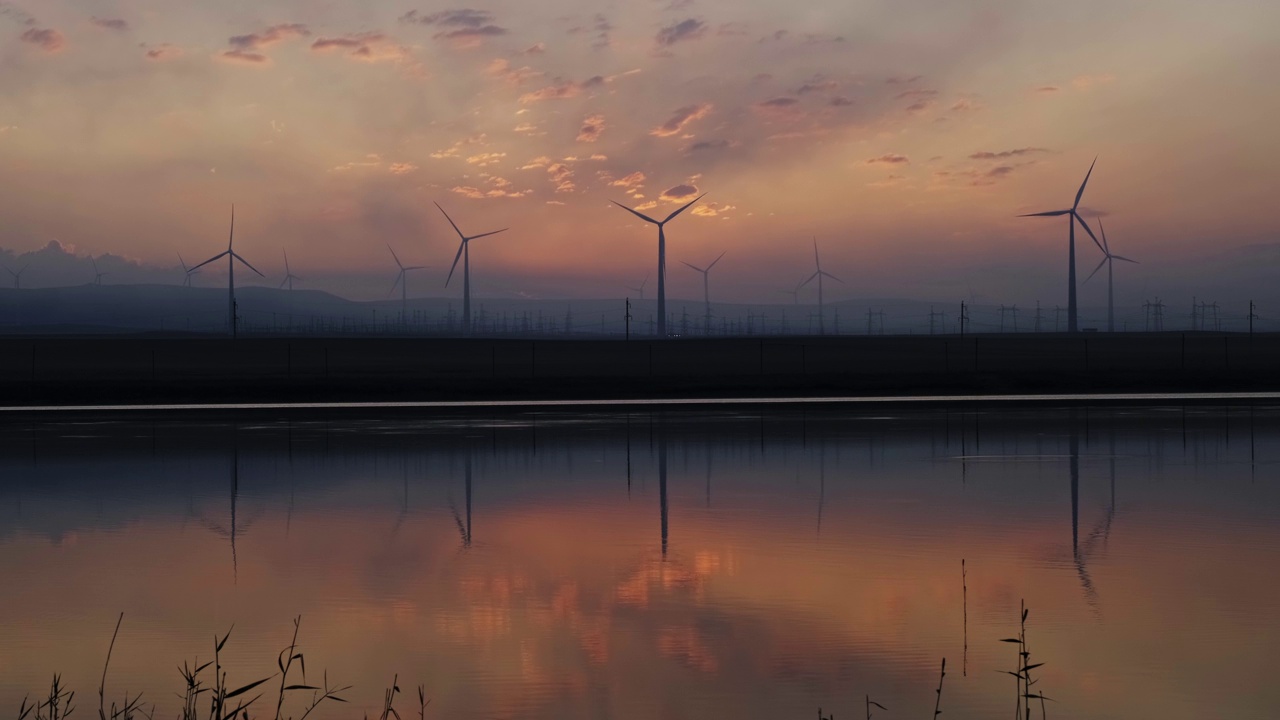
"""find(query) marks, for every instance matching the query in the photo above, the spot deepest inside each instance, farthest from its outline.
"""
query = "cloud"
(712, 209)
(403, 168)
(162, 51)
(364, 47)
(1047, 89)
(15, 13)
(890, 159)
(1018, 152)
(47, 39)
(501, 69)
(901, 80)
(109, 23)
(563, 90)
(690, 29)
(704, 146)
(680, 118)
(246, 48)
(964, 105)
(499, 187)
(916, 94)
(919, 106)
(536, 163)
(485, 159)
(455, 149)
(244, 57)
(840, 101)
(679, 193)
(466, 26)
(592, 127)
(535, 49)
(561, 176)
(600, 28)
(779, 107)
(634, 181)
(817, 86)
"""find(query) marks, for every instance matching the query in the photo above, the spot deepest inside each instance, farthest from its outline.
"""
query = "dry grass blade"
(102, 686)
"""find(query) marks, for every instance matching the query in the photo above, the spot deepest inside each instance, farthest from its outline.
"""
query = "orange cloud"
(592, 128)
(890, 159)
(47, 39)
(679, 193)
(682, 117)
(364, 47)
(162, 52)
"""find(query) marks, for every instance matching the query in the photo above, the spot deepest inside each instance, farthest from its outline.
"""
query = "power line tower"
(1217, 321)
(963, 320)
(684, 320)
(1057, 316)
(1038, 316)
(933, 316)
(1158, 316)
(1195, 313)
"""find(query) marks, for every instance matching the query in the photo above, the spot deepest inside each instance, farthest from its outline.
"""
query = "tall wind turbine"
(1109, 261)
(403, 281)
(641, 288)
(464, 252)
(187, 272)
(1072, 218)
(289, 277)
(17, 276)
(97, 276)
(662, 257)
(819, 274)
(232, 256)
(706, 290)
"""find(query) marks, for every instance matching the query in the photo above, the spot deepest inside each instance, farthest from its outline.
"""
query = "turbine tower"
(1109, 261)
(17, 276)
(289, 277)
(232, 256)
(97, 276)
(662, 257)
(819, 274)
(403, 281)
(706, 290)
(187, 272)
(464, 252)
(1072, 218)
(641, 288)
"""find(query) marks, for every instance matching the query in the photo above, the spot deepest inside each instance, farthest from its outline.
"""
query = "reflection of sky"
(563, 605)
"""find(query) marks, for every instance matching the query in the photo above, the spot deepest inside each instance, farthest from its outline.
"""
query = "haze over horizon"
(905, 139)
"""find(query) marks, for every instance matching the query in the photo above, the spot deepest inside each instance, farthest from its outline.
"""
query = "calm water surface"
(665, 564)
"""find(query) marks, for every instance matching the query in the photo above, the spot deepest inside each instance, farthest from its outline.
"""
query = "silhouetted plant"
(871, 702)
(1022, 675)
(937, 704)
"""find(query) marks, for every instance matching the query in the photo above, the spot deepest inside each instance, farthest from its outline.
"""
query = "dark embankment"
(114, 370)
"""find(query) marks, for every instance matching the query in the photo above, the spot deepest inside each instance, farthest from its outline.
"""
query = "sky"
(904, 136)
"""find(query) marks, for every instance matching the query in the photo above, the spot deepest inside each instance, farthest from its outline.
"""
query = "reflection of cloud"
(680, 118)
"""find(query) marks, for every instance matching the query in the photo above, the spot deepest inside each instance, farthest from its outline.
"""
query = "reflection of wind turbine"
(662, 257)
(662, 485)
(819, 274)
(289, 277)
(464, 252)
(403, 281)
(1072, 219)
(17, 276)
(1108, 260)
(97, 276)
(187, 272)
(464, 529)
(232, 257)
(706, 290)
(641, 288)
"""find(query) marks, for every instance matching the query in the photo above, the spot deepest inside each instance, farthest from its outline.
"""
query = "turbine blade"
(1051, 213)
(451, 222)
(1095, 270)
(416, 267)
(806, 282)
(182, 262)
(246, 263)
(283, 282)
(456, 258)
(395, 284)
(833, 277)
(397, 258)
(713, 262)
(640, 215)
(1080, 192)
(286, 262)
(695, 267)
(683, 208)
(816, 261)
(1085, 225)
(232, 237)
(495, 232)
(206, 262)
(1118, 257)
(1106, 247)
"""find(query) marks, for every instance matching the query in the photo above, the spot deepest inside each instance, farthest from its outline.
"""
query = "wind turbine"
(662, 257)
(795, 293)
(186, 280)
(1109, 261)
(97, 276)
(819, 274)
(464, 252)
(232, 256)
(403, 281)
(706, 289)
(17, 276)
(641, 288)
(1072, 219)
(289, 277)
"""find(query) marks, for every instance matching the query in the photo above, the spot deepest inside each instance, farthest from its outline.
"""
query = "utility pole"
(628, 319)
(963, 319)
(1252, 316)
(235, 318)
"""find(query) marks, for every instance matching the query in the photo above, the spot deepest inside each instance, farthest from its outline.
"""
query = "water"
(536, 564)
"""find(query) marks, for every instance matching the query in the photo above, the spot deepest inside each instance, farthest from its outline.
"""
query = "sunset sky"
(904, 136)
